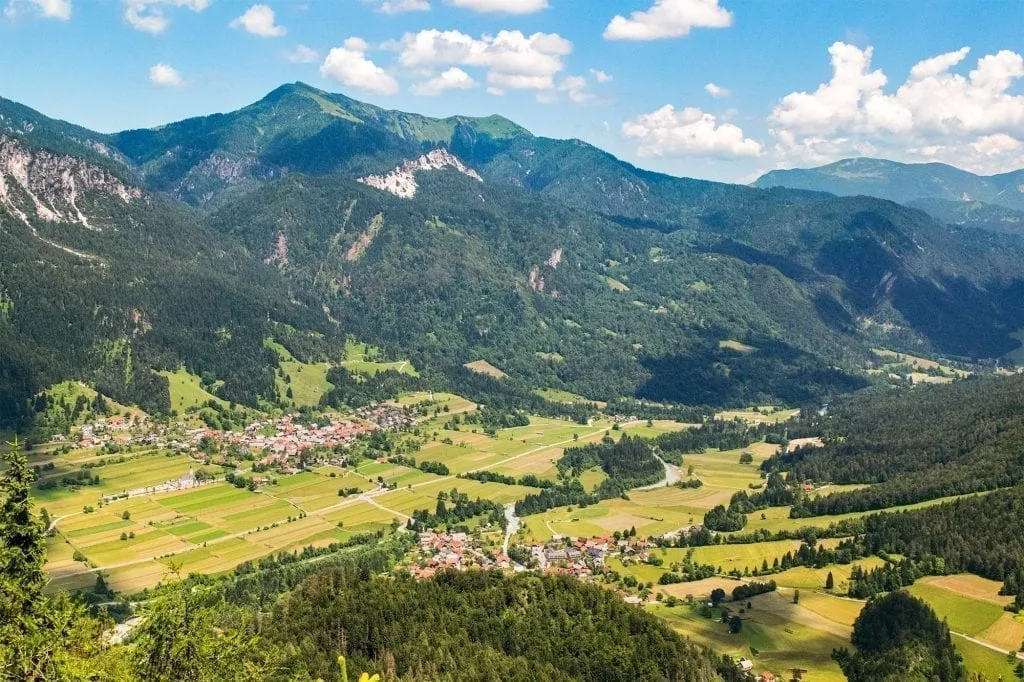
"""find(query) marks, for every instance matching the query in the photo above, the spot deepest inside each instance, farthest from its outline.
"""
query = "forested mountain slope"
(101, 280)
(452, 240)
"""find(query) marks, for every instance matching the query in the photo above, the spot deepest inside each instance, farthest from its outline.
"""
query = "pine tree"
(829, 581)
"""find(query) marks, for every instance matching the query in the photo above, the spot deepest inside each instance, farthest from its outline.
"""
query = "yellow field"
(484, 367)
(777, 518)
(739, 347)
(972, 586)
(759, 415)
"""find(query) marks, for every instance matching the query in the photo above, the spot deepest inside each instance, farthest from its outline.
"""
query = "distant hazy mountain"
(902, 182)
(973, 214)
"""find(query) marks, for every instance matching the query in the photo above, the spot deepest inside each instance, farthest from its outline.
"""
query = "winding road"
(673, 475)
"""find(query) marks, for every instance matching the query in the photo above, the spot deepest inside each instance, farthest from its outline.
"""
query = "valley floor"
(137, 542)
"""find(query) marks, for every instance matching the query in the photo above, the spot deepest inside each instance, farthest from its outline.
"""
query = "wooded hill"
(564, 267)
(912, 445)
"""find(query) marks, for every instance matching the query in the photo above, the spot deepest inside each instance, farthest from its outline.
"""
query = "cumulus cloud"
(600, 76)
(688, 132)
(452, 79)
(165, 76)
(399, 6)
(151, 16)
(349, 66)
(668, 19)
(996, 145)
(50, 9)
(259, 21)
(506, 6)
(302, 55)
(716, 91)
(575, 88)
(971, 120)
(513, 61)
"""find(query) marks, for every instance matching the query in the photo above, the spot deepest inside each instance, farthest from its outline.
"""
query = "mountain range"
(309, 216)
(952, 195)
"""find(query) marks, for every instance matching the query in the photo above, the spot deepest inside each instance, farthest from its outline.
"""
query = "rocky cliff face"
(37, 184)
(402, 180)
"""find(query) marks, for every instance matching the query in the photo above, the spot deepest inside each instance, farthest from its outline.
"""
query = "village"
(581, 558)
(281, 438)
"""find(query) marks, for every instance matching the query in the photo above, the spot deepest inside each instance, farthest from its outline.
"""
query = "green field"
(187, 391)
(966, 615)
(366, 359)
(780, 643)
(559, 396)
(777, 518)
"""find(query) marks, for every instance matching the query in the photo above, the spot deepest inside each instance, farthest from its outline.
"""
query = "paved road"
(672, 476)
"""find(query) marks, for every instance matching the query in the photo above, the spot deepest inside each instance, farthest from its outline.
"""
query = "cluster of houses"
(280, 438)
(123, 431)
(284, 438)
(578, 557)
(452, 551)
(388, 416)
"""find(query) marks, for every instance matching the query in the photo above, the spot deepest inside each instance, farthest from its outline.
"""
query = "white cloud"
(302, 55)
(600, 76)
(514, 61)
(716, 91)
(996, 145)
(668, 19)
(165, 76)
(688, 132)
(259, 21)
(973, 121)
(507, 6)
(575, 88)
(399, 6)
(348, 65)
(50, 9)
(452, 79)
(150, 15)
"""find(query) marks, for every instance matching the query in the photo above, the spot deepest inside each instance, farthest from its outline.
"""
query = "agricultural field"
(772, 641)
(139, 541)
(157, 534)
(738, 346)
(776, 519)
(559, 396)
(778, 634)
(658, 510)
(766, 414)
(916, 369)
(484, 367)
(449, 403)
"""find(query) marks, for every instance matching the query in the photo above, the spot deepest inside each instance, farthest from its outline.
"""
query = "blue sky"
(797, 82)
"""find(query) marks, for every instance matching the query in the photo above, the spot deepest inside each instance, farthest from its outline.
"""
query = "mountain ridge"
(258, 217)
(902, 182)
